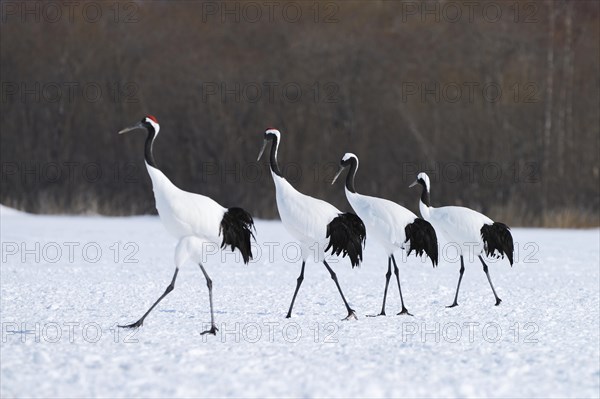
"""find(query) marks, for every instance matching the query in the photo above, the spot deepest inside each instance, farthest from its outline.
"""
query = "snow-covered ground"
(67, 281)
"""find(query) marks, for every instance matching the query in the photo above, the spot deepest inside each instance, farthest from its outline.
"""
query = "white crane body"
(384, 219)
(305, 218)
(183, 213)
(460, 225)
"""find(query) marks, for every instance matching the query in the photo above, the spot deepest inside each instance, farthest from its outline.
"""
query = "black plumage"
(236, 227)
(347, 235)
(497, 240)
(422, 238)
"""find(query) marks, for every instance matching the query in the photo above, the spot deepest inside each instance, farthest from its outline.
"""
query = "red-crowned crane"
(316, 224)
(391, 225)
(195, 220)
(469, 229)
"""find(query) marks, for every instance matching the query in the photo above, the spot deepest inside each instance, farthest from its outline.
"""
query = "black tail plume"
(498, 241)
(422, 238)
(348, 236)
(236, 226)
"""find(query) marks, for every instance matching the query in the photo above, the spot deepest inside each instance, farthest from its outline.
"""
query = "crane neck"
(273, 157)
(425, 197)
(351, 175)
(148, 147)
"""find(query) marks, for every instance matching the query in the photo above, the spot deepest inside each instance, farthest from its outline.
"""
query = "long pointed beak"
(337, 174)
(262, 150)
(413, 184)
(130, 128)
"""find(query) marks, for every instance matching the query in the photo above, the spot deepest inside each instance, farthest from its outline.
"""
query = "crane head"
(270, 134)
(345, 162)
(149, 122)
(423, 180)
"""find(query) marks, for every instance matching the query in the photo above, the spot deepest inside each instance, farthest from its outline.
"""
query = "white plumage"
(195, 220)
(468, 229)
(305, 217)
(316, 224)
(183, 213)
(386, 222)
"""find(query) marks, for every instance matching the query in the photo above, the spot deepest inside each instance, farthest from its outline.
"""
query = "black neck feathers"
(273, 156)
(148, 147)
(425, 194)
(425, 197)
(351, 175)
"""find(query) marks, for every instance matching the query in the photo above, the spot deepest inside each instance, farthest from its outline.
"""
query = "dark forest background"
(499, 101)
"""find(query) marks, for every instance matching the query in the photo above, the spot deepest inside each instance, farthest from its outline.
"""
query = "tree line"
(498, 101)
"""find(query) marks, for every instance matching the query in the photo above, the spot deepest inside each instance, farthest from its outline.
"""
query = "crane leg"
(462, 271)
(298, 284)
(351, 313)
(485, 269)
(387, 283)
(170, 288)
(213, 329)
(403, 311)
